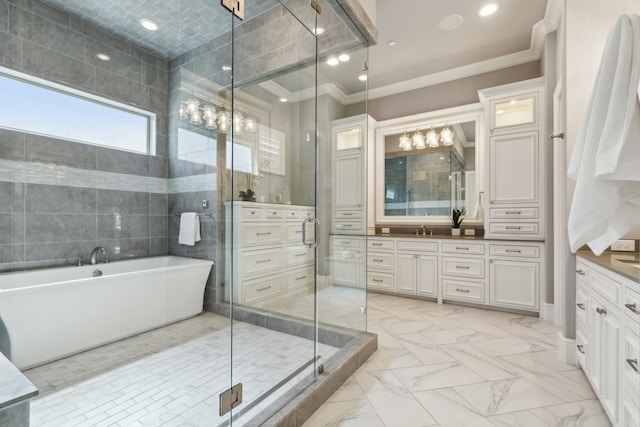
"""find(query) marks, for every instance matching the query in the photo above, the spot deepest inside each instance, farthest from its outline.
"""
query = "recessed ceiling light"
(283, 99)
(333, 61)
(148, 24)
(450, 22)
(344, 57)
(392, 43)
(362, 77)
(488, 9)
(319, 31)
(103, 57)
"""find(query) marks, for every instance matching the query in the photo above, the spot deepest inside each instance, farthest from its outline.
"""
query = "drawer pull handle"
(634, 365)
(581, 272)
(301, 277)
(513, 228)
(513, 251)
(466, 291)
(347, 225)
(347, 214)
(263, 289)
(462, 267)
(460, 248)
(580, 306)
(633, 308)
(580, 348)
(377, 280)
(297, 255)
(262, 261)
(298, 231)
(253, 212)
(263, 234)
(346, 243)
(601, 311)
(513, 213)
(376, 244)
(378, 260)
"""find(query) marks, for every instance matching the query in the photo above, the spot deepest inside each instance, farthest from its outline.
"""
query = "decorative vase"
(455, 231)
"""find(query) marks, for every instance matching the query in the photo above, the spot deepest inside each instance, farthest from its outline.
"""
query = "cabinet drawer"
(463, 248)
(417, 245)
(261, 262)
(582, 303)
(307, 213)
(380, 261)
(248, 213)
(514, 228)
(273, 213)
(515, 251)
(299, 279)
(513, 213)
(347, 243)
(465, 267)
(293, 231)
(261, 289)
(290, 213)
(465, 291)
(582, 272)
(380, 244)
(348, 226)
(632, 305)
(298, 255)
(260, 234)
(382, 281)
(606, 286)
(582, 350)
(351, 214)
(631, 362)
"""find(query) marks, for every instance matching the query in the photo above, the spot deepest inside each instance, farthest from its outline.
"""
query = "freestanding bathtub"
(52, 313)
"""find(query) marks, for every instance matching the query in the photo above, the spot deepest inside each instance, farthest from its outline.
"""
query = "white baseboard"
(547, 312)
(567, 349)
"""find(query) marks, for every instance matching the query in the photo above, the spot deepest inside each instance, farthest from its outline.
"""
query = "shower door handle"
(312, 243)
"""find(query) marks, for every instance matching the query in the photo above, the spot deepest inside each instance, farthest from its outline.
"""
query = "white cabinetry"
(514, 276)
(380, 264)
(269, 258)
(417, 267)
(515, 161)
(606, 335)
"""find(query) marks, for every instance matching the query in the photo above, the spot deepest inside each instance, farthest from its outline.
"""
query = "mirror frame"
(464, 113)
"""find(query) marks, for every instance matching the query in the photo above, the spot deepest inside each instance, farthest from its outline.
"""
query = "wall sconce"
(431, 139)
(213, 118)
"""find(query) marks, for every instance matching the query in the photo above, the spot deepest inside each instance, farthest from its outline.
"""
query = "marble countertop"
(14, 386)
(435, 236)
(615, 261)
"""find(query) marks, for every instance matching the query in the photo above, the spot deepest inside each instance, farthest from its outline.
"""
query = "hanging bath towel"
(606, 158)
(189, 229)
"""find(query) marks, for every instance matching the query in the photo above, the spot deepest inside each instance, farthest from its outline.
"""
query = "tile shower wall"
(55, 220)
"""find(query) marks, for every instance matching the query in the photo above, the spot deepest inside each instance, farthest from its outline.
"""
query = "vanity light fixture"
(149, 24)
(211, 117)
(431, 139)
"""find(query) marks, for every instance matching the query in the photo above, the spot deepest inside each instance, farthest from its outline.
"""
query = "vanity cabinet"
(514, 276)
(347, 265)
(607, 340)
(515, 167)
(417, 268)
(380, 265)
(269, 257)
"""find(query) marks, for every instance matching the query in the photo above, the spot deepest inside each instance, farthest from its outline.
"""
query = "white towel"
(606, 159)
(478, 213)
(189, 229)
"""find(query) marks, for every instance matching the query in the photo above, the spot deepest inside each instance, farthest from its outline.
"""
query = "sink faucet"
(424, 230)
(94, 255)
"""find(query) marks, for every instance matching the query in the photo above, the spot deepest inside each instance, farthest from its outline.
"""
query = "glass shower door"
(271, 210)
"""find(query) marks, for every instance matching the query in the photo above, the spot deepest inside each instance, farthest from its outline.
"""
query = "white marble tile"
(508, 346)
(578, 376)
(388, 342)
(415, 327)
(453, 336)
(431, 377)
(500, 397)
(390, 359)
(423, 349)
(451, 410)
(518, 419)
(354, 413)
(394, 404)
(350, 390)
(588, 413)
(551, 359)
(483, 365)
(553, 382)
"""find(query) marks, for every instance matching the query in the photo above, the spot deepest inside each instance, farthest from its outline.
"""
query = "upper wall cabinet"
(515, 160)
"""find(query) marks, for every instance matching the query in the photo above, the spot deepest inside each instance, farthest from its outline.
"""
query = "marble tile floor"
(170, 376)
(453, 366)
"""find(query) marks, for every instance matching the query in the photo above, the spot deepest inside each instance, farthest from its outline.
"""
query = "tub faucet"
(97, 251)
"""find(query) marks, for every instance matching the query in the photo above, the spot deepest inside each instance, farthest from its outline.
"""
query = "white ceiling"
(423, 49)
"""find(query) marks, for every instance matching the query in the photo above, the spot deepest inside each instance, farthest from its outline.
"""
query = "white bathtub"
(52, 313)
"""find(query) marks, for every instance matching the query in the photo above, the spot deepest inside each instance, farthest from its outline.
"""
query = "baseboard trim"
(547, 312)
(567, 349)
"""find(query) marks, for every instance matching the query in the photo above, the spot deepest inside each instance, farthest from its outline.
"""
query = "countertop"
(611, 261)
(14, 386)
(435, 236)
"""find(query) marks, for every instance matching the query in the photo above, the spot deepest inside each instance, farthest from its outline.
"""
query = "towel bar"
(210, 214)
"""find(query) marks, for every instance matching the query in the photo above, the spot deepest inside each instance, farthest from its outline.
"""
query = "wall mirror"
(429, 164)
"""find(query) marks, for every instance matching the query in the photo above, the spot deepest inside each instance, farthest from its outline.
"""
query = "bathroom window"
(41, 107)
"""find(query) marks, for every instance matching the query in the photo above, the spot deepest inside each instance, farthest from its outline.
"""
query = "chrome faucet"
(97, 251)
(424, 230)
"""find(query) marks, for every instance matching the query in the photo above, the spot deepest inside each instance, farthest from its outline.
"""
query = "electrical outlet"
(624, 246)
(469, 231)
(385, 230)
